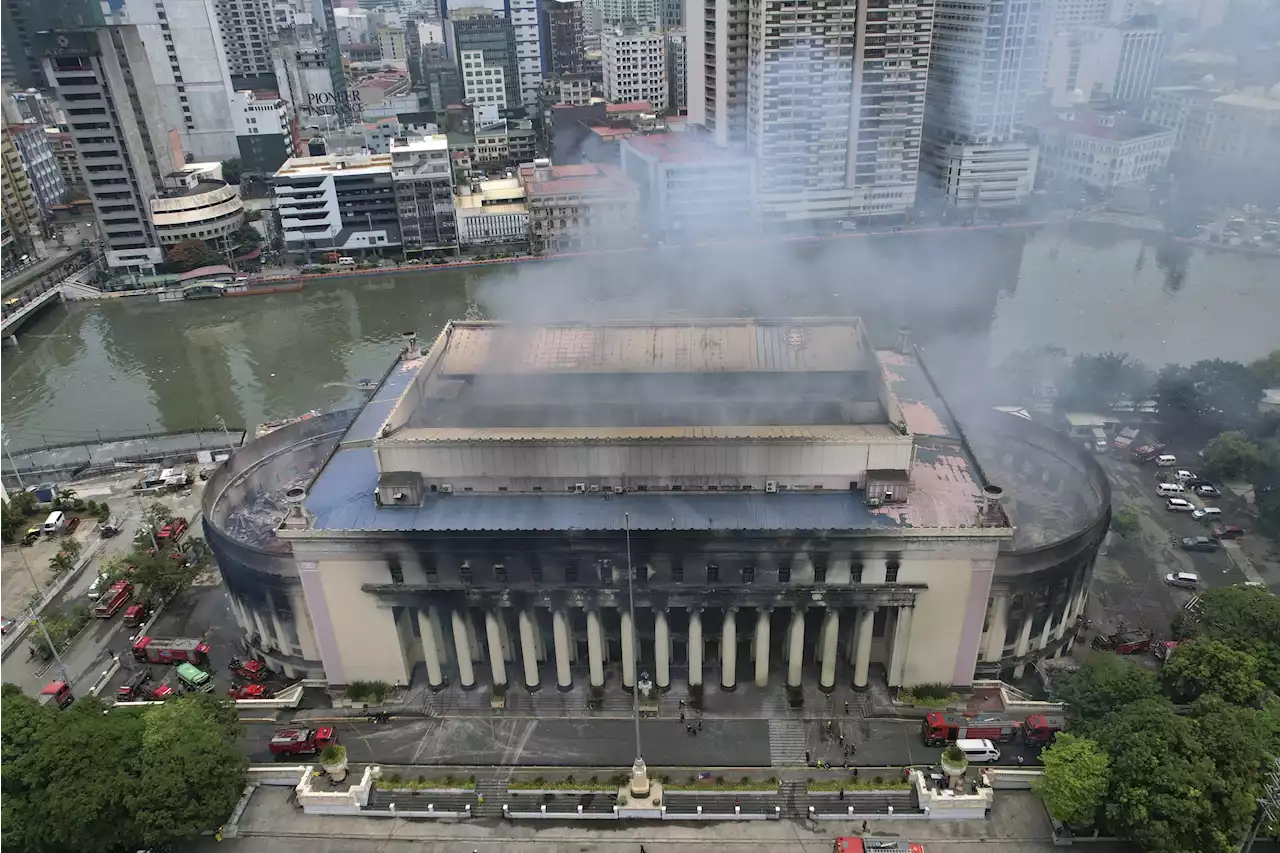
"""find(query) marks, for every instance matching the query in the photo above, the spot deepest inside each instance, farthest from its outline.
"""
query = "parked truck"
(940, 729)
(133, 689)
(302, 741)
(181, 650)
(56, 693)
(1041, 729)
(194, 679)
(110, 602)
(136, 614)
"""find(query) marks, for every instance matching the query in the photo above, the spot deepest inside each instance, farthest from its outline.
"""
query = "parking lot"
(1130, 590)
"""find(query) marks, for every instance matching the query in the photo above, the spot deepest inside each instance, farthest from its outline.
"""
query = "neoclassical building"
(794, 506)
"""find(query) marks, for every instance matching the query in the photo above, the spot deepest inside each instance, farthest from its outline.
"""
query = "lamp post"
(16, 473)
(639, 774)
(62, 667)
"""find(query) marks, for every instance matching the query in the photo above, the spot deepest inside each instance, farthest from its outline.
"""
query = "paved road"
(581, 742)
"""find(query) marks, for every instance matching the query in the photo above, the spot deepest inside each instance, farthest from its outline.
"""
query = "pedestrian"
(695, 732)
(846, 764)
(846, 709)
(737, 802)
(682, 716)
(842, 738)
(855, 774)
(1021, 761)
(641, 848)
(808, 759)
(699, 724)
(681, 703)
(864, 827)
(842, 793)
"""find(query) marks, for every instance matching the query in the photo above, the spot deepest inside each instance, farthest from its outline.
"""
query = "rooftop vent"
(411, 351)
(296, 517)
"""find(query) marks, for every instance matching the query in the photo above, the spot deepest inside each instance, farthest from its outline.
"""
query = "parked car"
(1179, 505)
(1207, 490)
(1198, 481)
(6, 625)
(1200, 543)
(1227, 531)
(1183, 476)
(1183, 580)
(72, 523)
(100, 583)
(1207, 512)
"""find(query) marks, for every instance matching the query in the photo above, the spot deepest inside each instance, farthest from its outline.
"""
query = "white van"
(978, 750)
(54, 524)
(1169, 488)
(1166, 461)
(346, 261)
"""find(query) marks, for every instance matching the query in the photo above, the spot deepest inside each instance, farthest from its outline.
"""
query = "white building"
(197, 204)
(248, 28)
(1101, 150)
(485, 85)
(635, 66)
(689, 188)
(337, 202)
(184, 45)
(391, 43)
(1116, 63)
(492, 212)
(985, 64)
(640, 13)
(677, 70)
(423, 183)
(528, 30)
(1215, 128)
(829, 100)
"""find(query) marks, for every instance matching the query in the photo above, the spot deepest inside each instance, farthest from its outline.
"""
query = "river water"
(135, 365)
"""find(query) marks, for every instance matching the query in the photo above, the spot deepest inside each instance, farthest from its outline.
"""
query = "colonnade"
(530, 654)
(1063, 612)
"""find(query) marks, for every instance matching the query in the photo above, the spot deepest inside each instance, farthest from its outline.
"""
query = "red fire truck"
(302, 741)
(1041, 729)
(182, 650)
(854, 844)
(56, 693)
(110, 602)
(940, 729)
(136, 614)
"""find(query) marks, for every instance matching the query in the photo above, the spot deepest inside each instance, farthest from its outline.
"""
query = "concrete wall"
(940, 648)
(369, 647)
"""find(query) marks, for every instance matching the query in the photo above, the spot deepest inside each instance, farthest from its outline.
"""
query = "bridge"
(63, 462)
(35, 303)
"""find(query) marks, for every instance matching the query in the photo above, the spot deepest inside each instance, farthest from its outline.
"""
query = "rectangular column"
(795, 648)
(466, 672)
(862, 668)
(661, 649)
(497, 662)
(628, 650)
(901, 639)
(762, 647)
(1064, 617)
(729, 650)
(430, 651)
(695, 647)
(595, 648)
(997, 627)
(529, 650)
(1024, 638)
(830, 640)
(560, 630)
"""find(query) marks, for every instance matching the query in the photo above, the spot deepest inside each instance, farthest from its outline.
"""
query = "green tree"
(161, 574)
(1208, 397)
(1207, 667)
(1267, 369)
(1076, 777)
(1126, 521)
(1233, 455)
(231, 171)
(191, 254)
(1096, 382)
(193, 767)
(1246, 619)
(1103, 684)
(246, 237)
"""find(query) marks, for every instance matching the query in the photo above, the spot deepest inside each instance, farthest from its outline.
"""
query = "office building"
(506, 142)
(391, 46)
(40, 164)
(484, 85)
(121, 132)
(195, 203)
(830, 103)
(673, 14)
(308, 67)
(423, 179)
(64, 154)
(34, 107)
(1101, 150)
(985, 65)
(573, 89)
(20, 23)
(248, 30)
(644, 14)
(526, 23)
(1231, 130)
(476, 29)
(689, 188)
(580, 207)
(635, 66)
(1105, 63)
(21, 207)
(677, 71)
(337, 202)
(189, 69)
(492, 212)
(712, 503)
(561, 30)
(265, 131)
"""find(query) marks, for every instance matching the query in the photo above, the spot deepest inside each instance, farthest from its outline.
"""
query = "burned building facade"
(776, 502)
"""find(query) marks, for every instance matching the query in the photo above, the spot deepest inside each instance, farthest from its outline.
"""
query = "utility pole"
(1268, 807)
(639, 773)
(62, 667)
(16, 474)
(227, 433)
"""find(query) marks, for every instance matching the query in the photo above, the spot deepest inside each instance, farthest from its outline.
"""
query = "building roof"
(1097, 125)
(334, 163)
(1253, 102)
(573, 179)
(629, 107)
(611, 133)
(683, 148)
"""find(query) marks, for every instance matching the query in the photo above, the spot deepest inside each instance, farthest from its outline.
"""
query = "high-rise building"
(189, 68)
(1115, 63)
(337, 202)
(480, 29)
(248, 29)
(485, 85)
(391, 43)
(526, 25)
(672, 14)
(640, 13)
(264, 132)
(40, 164)
(20, 21)
(562, 45)
(635, 65)
(423, 183)
(121, 134)
(677, 71)
(984, 66)
(307, 62)
(20, 206)
(64, 153)
(829, 100)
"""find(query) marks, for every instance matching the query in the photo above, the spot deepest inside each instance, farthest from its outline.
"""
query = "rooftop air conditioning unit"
(446, 488)
(579, 487)
(617, 490)
(771, 486)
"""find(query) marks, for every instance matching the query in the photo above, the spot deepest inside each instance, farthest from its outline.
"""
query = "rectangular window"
(432, 574)
(891, 571)
(855, 572)
(397, 571)
(713, 573)
(535, 573)
(677, 572)
(819, 573)
(784, 574)
(570, 573)
(464, 572)
(500, 572)
(748, 574)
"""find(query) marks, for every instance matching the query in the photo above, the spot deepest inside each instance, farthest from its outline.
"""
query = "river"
(134, 365)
